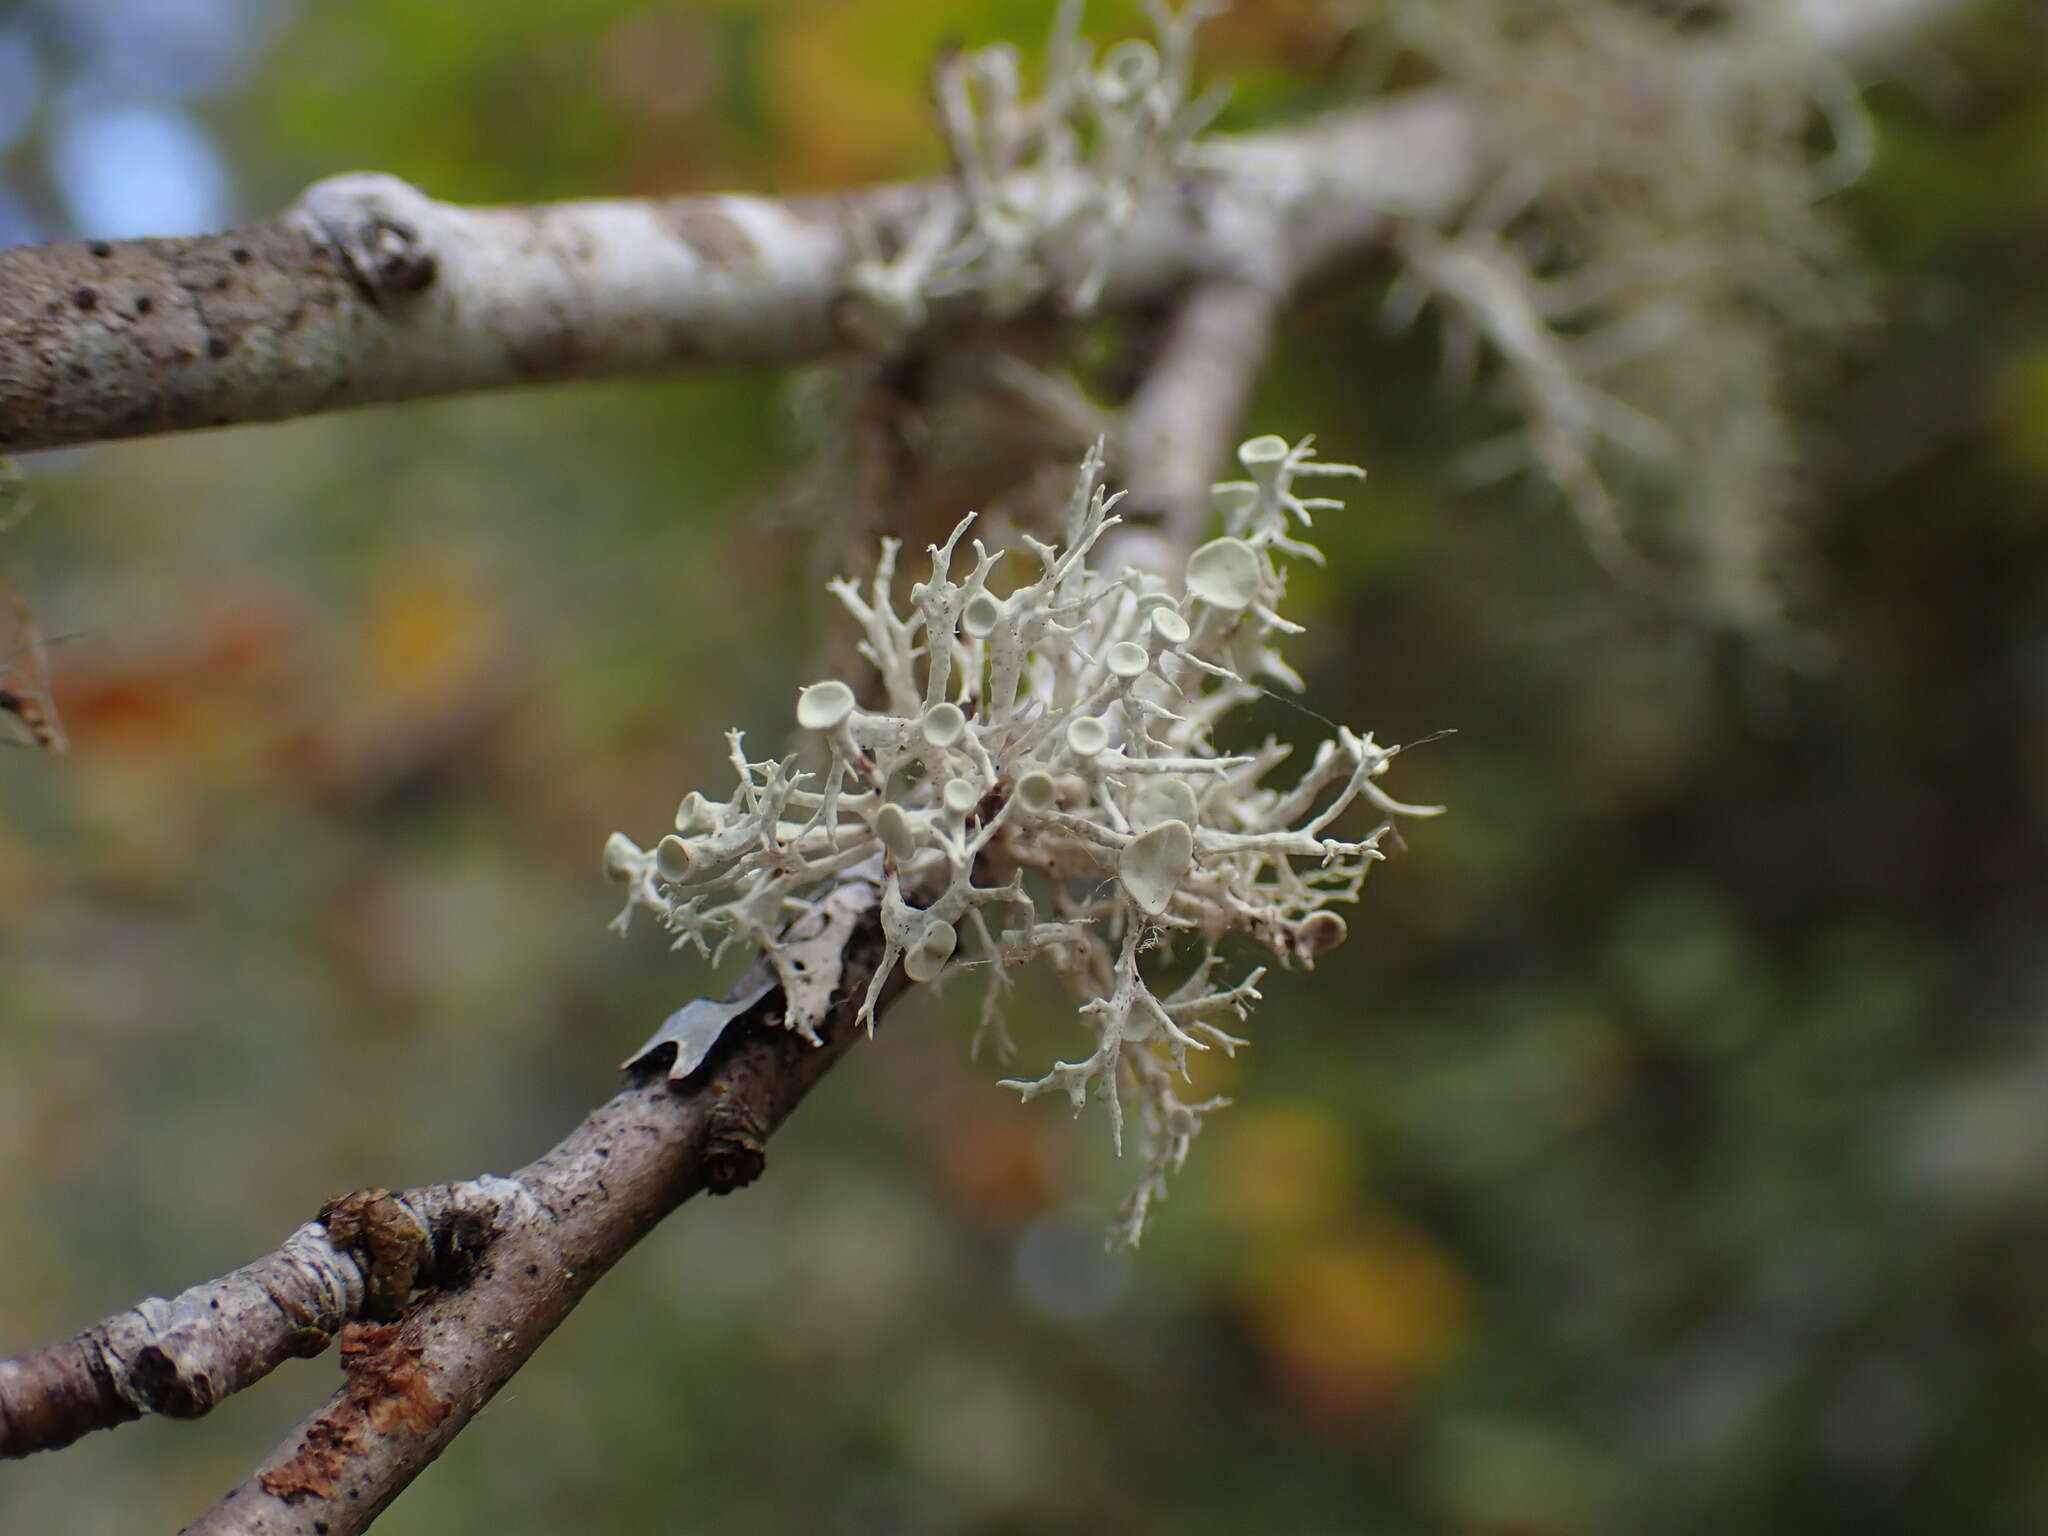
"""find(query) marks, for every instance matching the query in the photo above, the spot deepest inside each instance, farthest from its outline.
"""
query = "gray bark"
(368, 291)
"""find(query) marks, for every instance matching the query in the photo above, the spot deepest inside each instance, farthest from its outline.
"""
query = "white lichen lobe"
(1036, 773)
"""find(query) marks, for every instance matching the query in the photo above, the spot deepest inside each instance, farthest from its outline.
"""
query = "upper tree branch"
(369, 291)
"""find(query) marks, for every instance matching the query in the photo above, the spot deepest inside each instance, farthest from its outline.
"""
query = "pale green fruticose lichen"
(1050, 183)
(1038, 775)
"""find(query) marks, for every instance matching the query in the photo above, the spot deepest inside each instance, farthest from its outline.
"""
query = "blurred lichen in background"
(1658, 270)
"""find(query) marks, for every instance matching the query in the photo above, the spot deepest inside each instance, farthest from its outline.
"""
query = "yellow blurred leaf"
(1283, 1168)
(1353, 1324)
(846, 81)
(845, 85)
(426, 629)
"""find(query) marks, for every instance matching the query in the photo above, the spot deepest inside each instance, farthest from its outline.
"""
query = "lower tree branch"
(503, 1260)
(180, 1357)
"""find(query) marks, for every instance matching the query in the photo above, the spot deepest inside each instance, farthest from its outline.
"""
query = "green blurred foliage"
(1665, 1153)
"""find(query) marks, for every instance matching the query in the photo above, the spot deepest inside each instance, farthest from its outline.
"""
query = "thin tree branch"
(181, 1357)
(506, 1259)
(1184, 416)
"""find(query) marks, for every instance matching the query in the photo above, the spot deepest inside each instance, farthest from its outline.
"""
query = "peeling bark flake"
(387, 1391)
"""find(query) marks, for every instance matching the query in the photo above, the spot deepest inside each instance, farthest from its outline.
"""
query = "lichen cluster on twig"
(1048, 183)
(1037, 773)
